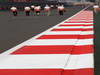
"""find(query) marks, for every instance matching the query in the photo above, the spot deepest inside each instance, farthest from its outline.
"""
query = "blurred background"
(6, 4)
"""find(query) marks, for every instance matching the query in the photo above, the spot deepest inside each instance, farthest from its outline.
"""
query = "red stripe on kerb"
(78, 22)
(30, 71)
(75, 25)
(57, 49)
(88, 71)
(65, 36)
(52, 49)
(79, 29)
(81, 19)
(83, 49)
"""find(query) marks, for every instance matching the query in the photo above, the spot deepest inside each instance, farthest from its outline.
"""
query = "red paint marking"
(78, 29)
(80, 19)
(52, 49)
(65, 37)
(85, 49)
(75, 25)
(78, 22)
(88, 29)
(30, 71)
(88, 71)
(55, 49)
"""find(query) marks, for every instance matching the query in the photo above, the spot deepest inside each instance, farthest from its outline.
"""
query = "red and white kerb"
(65, 49)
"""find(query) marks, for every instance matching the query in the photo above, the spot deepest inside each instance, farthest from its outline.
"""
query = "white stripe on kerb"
(34, 61)
(84, 42)
(62, 32)
(80, 61)
(52, 42)
(69, 27)
(68, 32)
(47, 61)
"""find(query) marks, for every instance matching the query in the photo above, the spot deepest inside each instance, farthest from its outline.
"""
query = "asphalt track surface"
(97, 43)
(15, 30)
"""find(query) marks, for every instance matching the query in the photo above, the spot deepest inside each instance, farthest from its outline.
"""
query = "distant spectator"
(37, 10)
(14, 10)
(27, 10)
(61, 9)
(96, 8)
(32, 8)
(47, 10)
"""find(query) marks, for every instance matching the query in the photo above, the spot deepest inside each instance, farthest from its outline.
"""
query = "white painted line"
(68, 32)
(80, 61)
(87, 32)
(84, 42)
(47, 61)
(34, 61)
(69, 27)
(88, 27)
(52, 42)
(63, 32)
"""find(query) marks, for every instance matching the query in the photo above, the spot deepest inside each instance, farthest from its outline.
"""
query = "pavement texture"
(15, 30)
(97, 42)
